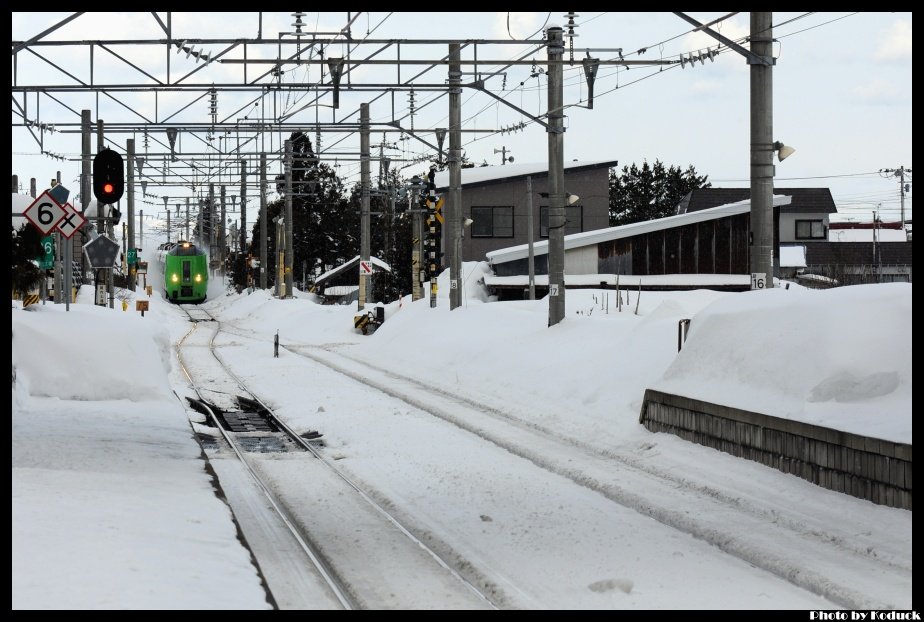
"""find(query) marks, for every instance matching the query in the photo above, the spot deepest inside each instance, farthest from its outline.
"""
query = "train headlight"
(175, 278)
(198, 278)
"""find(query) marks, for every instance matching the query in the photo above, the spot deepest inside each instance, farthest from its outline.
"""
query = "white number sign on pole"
(45, 213)
(758, 280)
(553, 289)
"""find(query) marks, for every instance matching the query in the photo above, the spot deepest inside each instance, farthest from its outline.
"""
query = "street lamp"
(782, 151)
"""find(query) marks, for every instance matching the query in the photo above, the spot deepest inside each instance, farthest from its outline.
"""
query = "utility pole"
(168, 224)
(364, 205)
(504, 157)
(85, 191)
(263, 226)
(130, 157)
(243, 243)
(762, 170)
(531, 261)
(211, 220)
(221, 232)
(289, 263)
(900, 173)
(556, 178)
(186, 222)
(453, 241)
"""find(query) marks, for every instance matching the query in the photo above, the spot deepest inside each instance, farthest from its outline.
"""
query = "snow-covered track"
(340, 581)
(762, 535)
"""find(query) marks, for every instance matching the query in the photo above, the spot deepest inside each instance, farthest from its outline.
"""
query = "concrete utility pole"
(263, 226)
(365, 218)
(222, 238)
(85, 191)
(186, 222)
(900, 173)
(211, 239)
(289, 263)
(130, 218)
(243, 243)
(556, 178)
(454, 204)
(168, 224)
(762, 169)
(531, 261)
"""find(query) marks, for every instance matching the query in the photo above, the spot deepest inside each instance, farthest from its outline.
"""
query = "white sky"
(842, 93)
(551, 494)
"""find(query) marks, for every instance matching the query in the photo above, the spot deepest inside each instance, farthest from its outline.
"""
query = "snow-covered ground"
(567, 523)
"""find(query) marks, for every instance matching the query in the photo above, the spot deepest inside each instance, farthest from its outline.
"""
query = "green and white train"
(186, 273)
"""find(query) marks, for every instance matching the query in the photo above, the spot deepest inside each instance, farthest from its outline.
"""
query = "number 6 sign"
(45, 213)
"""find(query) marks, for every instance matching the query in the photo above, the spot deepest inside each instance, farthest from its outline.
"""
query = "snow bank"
(839, 358)
(90, 353)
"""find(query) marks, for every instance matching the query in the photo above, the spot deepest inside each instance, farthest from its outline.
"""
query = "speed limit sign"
(44, 213)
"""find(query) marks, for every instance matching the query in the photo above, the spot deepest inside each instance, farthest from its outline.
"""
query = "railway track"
(642, 486)
(250, 428)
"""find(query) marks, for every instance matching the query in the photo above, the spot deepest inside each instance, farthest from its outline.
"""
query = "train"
(186, 273)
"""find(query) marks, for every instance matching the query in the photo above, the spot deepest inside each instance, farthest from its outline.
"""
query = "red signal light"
(107, 188)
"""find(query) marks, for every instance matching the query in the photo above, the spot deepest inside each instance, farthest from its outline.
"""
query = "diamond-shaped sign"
(44, 213)
(72, 221)
(102, 252)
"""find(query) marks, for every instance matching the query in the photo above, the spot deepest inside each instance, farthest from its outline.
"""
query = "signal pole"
(130, 156)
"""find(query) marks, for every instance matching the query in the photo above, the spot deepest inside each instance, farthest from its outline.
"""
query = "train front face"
(186, 275)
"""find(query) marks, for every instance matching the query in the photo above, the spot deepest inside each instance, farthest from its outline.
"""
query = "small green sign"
(132, 256)
(47, 260)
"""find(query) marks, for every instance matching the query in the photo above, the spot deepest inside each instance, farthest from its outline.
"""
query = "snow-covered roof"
(589, 238)
(483, 174)
(349, 264)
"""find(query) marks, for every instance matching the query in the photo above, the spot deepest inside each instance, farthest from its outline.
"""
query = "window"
(810, 230)
(492, 222)
(574, 220)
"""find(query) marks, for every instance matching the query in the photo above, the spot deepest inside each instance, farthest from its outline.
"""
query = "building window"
(810, 230)
(492, 222)
(574, 220)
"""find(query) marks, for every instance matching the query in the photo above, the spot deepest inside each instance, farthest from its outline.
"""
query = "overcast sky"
(842, 93)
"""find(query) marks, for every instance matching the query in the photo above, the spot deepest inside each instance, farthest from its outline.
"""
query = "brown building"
(496, 199)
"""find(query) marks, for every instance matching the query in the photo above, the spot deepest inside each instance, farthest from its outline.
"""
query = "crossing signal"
(108, 177)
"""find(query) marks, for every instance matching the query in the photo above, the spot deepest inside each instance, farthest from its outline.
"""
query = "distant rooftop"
(589, 238)
(813, 200)
(508, 172)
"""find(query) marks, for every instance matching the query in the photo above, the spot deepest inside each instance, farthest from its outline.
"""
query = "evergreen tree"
(650, 192)
(26, 246)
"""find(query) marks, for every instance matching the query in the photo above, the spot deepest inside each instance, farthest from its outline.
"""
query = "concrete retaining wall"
(861, 466)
